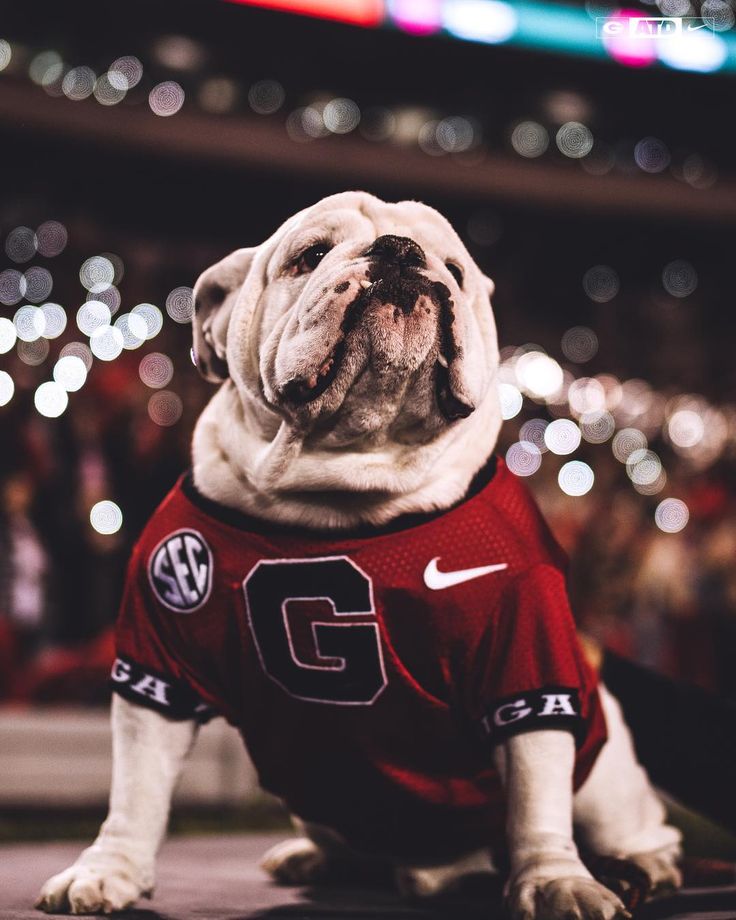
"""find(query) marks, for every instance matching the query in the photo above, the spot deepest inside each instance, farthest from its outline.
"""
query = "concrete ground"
(217, 878)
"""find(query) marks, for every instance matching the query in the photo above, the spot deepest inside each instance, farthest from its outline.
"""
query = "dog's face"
(358, 320)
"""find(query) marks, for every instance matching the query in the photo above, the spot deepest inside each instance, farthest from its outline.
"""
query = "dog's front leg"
(547, 881)
(148, 754)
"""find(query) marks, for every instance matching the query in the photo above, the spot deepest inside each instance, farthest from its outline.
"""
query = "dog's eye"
(456, 272)
(310, 258)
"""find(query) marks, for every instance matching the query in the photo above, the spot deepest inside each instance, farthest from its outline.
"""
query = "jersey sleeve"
(145, 672)
(534, 675)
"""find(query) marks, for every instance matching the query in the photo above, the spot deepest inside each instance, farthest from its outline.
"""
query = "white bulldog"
(357, 354)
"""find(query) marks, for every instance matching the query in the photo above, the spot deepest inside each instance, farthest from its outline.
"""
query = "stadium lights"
(638, 40)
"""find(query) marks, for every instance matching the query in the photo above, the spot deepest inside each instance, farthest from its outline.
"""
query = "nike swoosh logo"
(692, 28)
(436, 580)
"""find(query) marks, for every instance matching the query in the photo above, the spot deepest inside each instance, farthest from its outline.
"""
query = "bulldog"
(352, 579)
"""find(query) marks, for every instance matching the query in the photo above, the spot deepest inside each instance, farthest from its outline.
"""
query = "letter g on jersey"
(180, 571)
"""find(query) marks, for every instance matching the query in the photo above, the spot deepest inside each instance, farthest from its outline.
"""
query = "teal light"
(551, 27)
(570, 30)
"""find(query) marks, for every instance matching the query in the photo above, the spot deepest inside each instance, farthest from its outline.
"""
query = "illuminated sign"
(357, 12)
(625, 36)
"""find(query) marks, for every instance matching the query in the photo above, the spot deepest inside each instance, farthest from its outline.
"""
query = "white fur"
(616, 811)
(250, 453)
(149, 752)
(253, 452)
(547, 877)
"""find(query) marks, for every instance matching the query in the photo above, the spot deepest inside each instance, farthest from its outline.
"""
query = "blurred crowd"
(667, 600)
(60, 578)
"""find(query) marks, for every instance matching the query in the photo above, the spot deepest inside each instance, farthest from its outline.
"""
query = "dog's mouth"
(305, 390)
(403, 291)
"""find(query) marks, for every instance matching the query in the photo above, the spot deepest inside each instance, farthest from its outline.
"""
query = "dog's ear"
(215, 294)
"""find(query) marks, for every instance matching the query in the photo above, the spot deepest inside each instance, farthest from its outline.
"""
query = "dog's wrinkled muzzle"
(395, 298)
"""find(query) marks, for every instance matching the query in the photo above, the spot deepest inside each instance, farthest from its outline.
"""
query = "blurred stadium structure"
(591, 177)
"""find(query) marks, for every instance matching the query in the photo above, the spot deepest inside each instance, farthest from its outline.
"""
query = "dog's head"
(358, 322)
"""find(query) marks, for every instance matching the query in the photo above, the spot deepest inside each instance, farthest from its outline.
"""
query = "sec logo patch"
(180, 571)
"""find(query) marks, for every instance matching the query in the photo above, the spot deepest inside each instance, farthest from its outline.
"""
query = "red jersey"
(371, 672)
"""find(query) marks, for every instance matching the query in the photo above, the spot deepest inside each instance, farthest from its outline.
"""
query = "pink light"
(626, 48)
(418, 17)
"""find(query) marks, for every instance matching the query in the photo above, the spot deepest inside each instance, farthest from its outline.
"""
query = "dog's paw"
(661, 867)
(431, 881)
(86, 890)
(299, 861)
(571, 898)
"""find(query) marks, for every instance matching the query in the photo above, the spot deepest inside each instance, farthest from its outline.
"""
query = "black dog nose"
(398, 249)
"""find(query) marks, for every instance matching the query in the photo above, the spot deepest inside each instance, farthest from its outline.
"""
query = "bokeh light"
(266, 97)
(30, 323)
(180, 304)
(97, 273)
(7, 388)
(106, 343)
(43, 64)
(92, 315)
(107, 90)
(133, 328)
(341, 116)
(12, 287)
(110, 296)
(574, 140)
(643, 467)
(597, 426)
(20, 244)
(166, 98)
(490, 21)
(6, 54)
(533, 431)
(686, 428)
(601, 283)
(626, 441)
(679, 278)
(562, 436)
(720, 13)
(70, 373)
(651, 155)
(539, 375)
(511, 400)
(8, 335)
(125, 72)
(579, 344)
(456, 134)
(165, 408)
(629, 49)
(39, 283)
(576, 478)
(55, 317)
(51, 238)
(50, 399)
(701, 51)
(671, 515)
(417, 17)
(530, 139)
(218, 95)
(523, 458)
(106, 517)
(152, 316)
(33, 353)
(79, 83)
(156, 370)
(586, 394)
(79, 350)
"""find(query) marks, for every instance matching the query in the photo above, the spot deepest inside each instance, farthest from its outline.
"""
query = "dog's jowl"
(354, 581)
